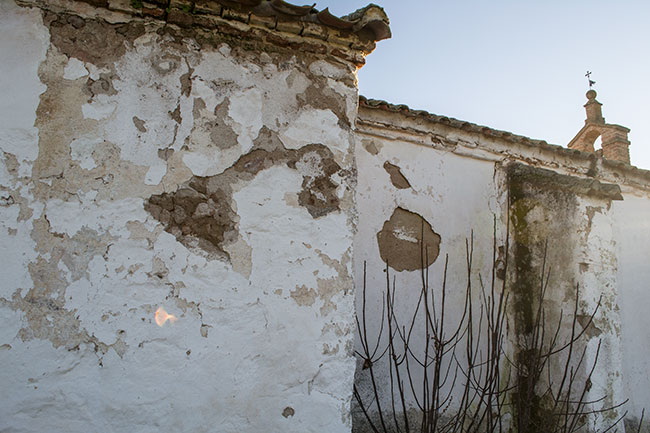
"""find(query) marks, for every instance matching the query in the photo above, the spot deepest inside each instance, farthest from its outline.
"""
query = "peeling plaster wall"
(141, 168)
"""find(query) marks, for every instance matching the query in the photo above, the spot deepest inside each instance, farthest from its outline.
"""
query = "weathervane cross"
(591, 82)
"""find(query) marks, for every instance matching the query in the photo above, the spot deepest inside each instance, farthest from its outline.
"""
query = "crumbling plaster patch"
(130, 112)
(407, 241)
(396, 177)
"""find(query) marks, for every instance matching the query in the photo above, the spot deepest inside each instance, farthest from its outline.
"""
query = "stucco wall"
(632, 234)
(149, 167)
(458, 197)
(459, 182)
(143, 168)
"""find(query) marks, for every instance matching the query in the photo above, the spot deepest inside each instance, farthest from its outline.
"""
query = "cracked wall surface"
(146, 167)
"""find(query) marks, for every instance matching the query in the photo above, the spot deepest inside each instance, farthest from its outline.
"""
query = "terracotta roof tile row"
(360, 29)
(495, 133)
(454, 123)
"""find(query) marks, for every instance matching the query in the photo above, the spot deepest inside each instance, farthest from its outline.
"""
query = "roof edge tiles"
(506, 136)
(354, 33)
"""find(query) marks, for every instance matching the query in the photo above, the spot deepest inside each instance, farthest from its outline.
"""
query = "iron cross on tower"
(591, 82)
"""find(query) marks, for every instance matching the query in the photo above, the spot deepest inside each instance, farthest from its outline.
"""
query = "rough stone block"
(180, 18)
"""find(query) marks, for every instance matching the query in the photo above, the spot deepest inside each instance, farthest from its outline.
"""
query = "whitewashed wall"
(458, 196)
(93, 132)
(458, 181)
(632, 234)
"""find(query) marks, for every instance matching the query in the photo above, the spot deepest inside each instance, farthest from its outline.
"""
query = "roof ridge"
(451, 121)
(496, 133)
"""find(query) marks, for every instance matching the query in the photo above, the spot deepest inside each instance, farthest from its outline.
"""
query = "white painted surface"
(23, 44)
(456, 195)
(85, 266)
(632, 233)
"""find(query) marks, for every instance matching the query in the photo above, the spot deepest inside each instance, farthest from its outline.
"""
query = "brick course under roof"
(367, 25)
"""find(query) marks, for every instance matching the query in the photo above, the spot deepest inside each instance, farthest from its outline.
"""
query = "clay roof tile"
(290, 9)
(330, 20)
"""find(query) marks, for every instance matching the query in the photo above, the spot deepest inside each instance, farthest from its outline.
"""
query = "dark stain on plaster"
(101, 86)
(176, 114)
(370, 146)
(200, 213)
(407, 241)
(165, 63)
(165, 154)
(91, 40)
(288, 411)
(139, 124)
(186, 81)
(550, 180)
(221, 134)
(396, 177)
(320, 96)
(542, 204)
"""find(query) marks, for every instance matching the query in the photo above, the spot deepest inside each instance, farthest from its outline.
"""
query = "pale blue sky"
(516, 65)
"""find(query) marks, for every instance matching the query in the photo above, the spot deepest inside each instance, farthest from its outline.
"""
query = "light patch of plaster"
(81, 150)
(326, 69)
(147, 86)
(155, 174)
(252, 97)
(23, 42)
(102, 107)
(65, 216)
(203, 163)
(246, 114)
(240, 254)
(315, 126)
(74, 70)
(17, 250)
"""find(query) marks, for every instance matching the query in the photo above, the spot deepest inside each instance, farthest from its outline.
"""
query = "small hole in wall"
(288, 411)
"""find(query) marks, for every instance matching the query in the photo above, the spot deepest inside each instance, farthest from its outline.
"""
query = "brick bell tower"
(614, 137)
